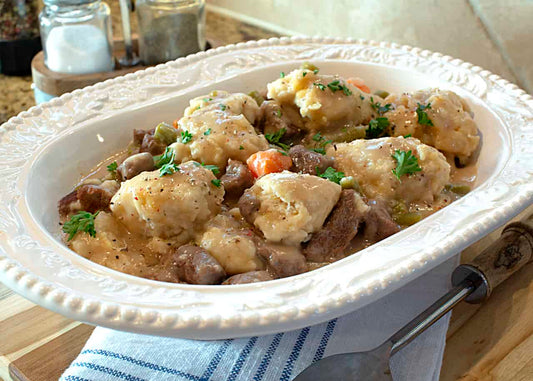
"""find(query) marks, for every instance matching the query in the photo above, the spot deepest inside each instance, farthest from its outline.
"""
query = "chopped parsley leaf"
(379, 108)
(319, 150)
(186, 136)
(207, 132)
(376, 127)
(168, 169)
(304, 74)
(406, 163)
(276, 137)
(423, 117)
(216, 183)
(222, 107)
(320, 86)
(321, 143)
(207, 100)
(315, 71)
(282, 75)
(362, 98)
(112, 167)
(80, 222)
(336, 86)
(407, 136)
(331, 174)
(278, 113)
(212, 168)
(241, 148)
(166, 158)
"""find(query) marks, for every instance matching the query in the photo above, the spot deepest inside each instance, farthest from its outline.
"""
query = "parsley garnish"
(241, 148)
(275, 139)
(222, 107)
(166, 158)
(207, 100)
(336, 85)
(361, 97)
(208, 132)
(278, 113)
(423, 117)
(80, 222)
(331, 174)
(376, 127)
(320, 147)
(282, 75)
(315, 71)
(216, 183)
(378, 107)
(406, 163)
(304, 74)
(320, 86)
(212, 168)
(165, 162)
(407, 136)
(168, 169)
(186, 137)
(112, 167)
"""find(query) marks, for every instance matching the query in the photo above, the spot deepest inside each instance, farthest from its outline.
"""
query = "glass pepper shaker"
(19, 35)
(76, 36)
(169, 29)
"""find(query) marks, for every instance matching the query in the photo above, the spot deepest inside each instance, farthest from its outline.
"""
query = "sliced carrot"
(175, 123)
(359, 83)
(269, 161)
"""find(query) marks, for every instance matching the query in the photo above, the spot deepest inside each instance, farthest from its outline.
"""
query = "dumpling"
(168, 206)
(371, 163)
(218, 131)
(451, 128)
(324, 101)
(226, 239)
(292, 206)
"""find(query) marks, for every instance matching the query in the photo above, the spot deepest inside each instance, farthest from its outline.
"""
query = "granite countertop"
(16, 93)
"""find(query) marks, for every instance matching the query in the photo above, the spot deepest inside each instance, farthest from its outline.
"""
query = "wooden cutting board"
(489, 342)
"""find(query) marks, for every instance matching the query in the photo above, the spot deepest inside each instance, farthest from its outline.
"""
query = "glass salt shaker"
(76, 36)
(19, 35)
(169, 29)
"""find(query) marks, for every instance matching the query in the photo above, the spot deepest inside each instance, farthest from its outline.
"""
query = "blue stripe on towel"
(104, 369)
(216, 360)
(75, 378)
(287, 371)
(242, 358)
(268, 356)
(142, 363)
(324, 342)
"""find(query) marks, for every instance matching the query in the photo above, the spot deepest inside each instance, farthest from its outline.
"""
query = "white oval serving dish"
(45, 150)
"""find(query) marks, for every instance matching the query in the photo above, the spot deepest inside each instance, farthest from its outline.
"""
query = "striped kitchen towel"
(112, 355)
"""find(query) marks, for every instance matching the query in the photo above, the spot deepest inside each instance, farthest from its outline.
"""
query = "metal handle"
(474, 282)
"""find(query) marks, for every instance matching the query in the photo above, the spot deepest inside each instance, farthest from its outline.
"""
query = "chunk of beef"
(249, 277)
(69, 204)
(378, 222)
(306, 161)
(148, 143)
(165, 274)
(237, 178)
(196, 266)
(284, 261)
(275, 117)
(248, 206)
(339, 229)
(135, 164)
(138, 135)
(93, 198)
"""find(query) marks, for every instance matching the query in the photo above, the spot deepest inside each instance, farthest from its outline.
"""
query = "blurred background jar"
(76, 36)
(19, 35)
(169, 29)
